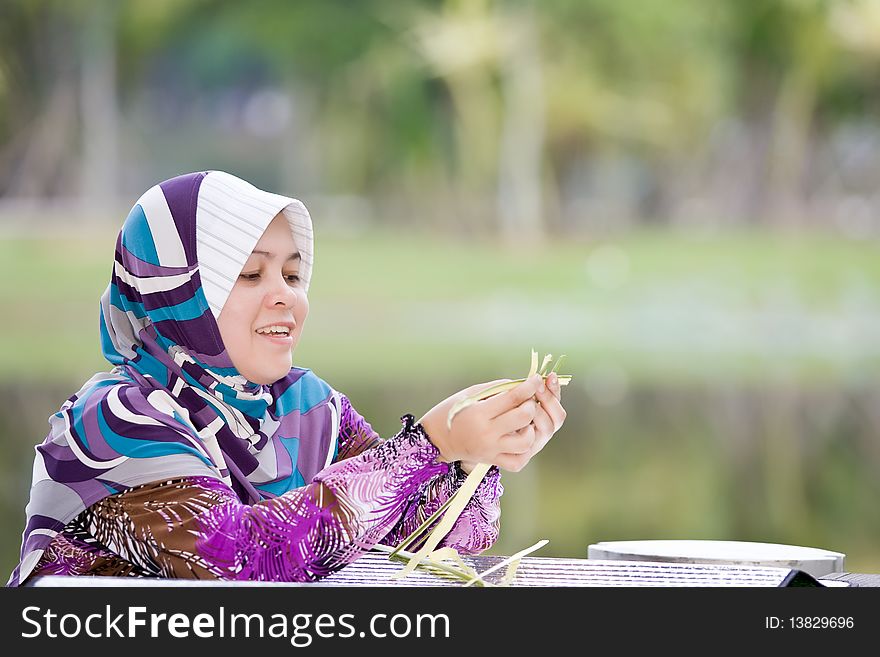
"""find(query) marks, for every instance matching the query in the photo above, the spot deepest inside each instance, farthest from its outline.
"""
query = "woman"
(205, 454)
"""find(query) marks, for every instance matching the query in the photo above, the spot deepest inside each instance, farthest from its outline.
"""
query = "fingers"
(549, 404)
(512, 462)
(520, 445)
(553, 385)
(519, 442)
(543, 423)
(509, 400)
(515, 419)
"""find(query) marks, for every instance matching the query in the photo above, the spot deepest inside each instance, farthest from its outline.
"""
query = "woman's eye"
(249, 277)
(292, 278)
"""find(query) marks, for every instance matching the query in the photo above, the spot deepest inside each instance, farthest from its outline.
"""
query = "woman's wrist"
(437, 437)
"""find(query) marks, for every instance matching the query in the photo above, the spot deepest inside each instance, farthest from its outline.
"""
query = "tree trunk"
(100, 119)
(520, 156)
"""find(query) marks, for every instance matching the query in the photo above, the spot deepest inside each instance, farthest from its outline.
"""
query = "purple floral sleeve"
(476, 528)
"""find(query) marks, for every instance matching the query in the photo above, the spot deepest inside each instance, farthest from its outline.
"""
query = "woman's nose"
(281, 293)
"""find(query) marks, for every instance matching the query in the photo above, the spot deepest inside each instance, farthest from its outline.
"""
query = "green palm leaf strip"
(437, 565)
(405, 543)
(512, 562)
(564, 380)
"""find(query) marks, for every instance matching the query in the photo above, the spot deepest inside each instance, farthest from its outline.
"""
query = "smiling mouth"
(274, 331)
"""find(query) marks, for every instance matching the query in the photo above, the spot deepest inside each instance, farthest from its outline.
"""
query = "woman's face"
(263, 318)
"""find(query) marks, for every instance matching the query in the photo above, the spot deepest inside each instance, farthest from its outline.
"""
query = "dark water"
(770, 463)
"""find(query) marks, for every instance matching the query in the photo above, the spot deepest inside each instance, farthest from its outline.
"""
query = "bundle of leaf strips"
(446, 561)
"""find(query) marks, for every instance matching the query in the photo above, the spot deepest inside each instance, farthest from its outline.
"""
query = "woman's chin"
(269, 376)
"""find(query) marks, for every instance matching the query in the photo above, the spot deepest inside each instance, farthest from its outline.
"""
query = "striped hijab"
(174, 405)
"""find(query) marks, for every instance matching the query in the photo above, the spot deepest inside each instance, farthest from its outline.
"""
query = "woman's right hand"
(497, 430)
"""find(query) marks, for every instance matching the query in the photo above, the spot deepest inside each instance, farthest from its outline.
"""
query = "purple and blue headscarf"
(174, 405)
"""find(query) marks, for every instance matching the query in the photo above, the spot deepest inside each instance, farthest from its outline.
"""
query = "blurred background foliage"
(680, 196)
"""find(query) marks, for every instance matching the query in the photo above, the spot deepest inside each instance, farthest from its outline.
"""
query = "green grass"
(653, 305)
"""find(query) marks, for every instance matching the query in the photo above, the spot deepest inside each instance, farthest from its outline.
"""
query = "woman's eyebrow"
(293, 256)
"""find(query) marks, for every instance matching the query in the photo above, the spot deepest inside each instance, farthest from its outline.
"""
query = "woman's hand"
(506, 430)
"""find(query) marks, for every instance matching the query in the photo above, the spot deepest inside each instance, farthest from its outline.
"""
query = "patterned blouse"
(198, 528)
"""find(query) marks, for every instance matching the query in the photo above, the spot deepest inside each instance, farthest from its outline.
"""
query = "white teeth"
(274, 330)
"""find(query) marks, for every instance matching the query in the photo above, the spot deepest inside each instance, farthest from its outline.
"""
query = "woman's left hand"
(549, 418)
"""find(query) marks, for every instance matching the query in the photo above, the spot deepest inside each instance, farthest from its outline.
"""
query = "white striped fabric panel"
(162, 227)
(231, 217)
(301, 224)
